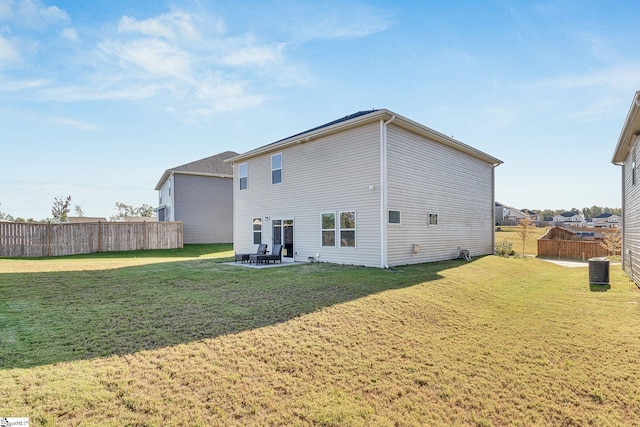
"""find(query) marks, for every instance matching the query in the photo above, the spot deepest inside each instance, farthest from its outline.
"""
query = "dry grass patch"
(493, 342)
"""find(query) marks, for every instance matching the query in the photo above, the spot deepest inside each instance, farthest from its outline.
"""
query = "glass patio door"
(283, 235)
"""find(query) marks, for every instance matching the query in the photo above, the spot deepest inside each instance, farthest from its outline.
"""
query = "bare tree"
(6, 217)
(128, 210)
(60, 209)
(612, 242)
(525, 229)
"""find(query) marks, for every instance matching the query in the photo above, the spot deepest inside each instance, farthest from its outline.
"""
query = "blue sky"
(98, 98)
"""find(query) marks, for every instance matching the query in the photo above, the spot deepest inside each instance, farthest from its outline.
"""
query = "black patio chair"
(276, 254)
(260, 255)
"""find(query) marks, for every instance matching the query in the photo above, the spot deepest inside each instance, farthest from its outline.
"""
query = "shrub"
(504, 248)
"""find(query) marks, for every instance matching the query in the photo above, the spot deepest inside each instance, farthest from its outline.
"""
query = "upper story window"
(242, 175)
(276, 168)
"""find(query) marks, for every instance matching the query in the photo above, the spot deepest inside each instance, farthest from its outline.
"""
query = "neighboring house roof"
(84, 219)
(568, 214)
(209, 166)
(361, 118)
(629, 131)
(604, 215)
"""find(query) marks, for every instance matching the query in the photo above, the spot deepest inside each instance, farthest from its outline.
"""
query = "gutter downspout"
(383, 191)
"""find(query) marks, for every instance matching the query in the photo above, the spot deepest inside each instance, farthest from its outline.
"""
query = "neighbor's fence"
(36, 240)
(570, 249)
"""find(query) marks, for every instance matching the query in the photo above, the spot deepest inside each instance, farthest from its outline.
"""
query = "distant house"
(506, 215)
(626, 155)
(569, 218)
(606, 220)
(200, 194)
(533, 216)
(373, 188)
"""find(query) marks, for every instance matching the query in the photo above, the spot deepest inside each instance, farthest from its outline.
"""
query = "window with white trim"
(243, 175)
(276, 168)
(257, 231)
(348, 229)
(433, 219)
(394, 217)
(329, 229)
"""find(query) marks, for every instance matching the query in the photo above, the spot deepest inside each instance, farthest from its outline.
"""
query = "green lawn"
(182, 339)
(510, 234)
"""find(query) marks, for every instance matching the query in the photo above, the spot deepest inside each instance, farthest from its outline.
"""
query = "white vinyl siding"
(334, 173)
(631, 222)
(455, 186)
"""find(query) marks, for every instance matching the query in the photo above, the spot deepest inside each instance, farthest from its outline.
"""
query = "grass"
(510, 234)
(190, 340)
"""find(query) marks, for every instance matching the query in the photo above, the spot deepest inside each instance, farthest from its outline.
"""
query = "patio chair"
(276, 254)
(260, 254)
(262, 249)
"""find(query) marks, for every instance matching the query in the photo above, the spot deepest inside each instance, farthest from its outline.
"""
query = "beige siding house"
(200, 195)
(373, 188)
(626, 154)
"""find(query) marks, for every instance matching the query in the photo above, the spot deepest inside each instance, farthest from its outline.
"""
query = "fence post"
(49, 239)
(144, 235)
(99, 236)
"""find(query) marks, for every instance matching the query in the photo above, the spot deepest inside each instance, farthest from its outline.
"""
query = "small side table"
(242, 258)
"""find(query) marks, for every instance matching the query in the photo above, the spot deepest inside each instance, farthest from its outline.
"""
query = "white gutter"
(383, 191)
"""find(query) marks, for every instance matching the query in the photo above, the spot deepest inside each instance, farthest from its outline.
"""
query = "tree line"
(61, 208)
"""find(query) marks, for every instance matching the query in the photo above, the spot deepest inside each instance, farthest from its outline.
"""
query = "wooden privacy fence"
(571, 249)
(36, 240)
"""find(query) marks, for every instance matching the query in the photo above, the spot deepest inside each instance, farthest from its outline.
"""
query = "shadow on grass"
(56, 317)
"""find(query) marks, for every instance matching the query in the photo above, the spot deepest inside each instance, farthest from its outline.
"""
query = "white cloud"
(251, 55)
(8, 52)
(70, 34)
(66, 122)
(8, 85)
(147, 55)
(32, 14)
(177, 25)
(341, 20)
(186, 63)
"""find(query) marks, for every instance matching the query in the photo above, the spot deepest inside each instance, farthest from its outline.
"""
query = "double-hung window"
(276, 168)
(242, 175)
(257, 231)
(329, 229)
(347, 229)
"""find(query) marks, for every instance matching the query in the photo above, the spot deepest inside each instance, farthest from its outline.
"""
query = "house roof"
(604, 215)
(568, 214)
(358, 119)
(630, 131)
(209, 166)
